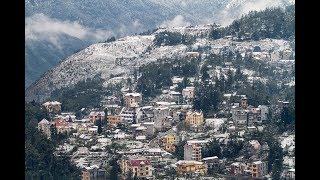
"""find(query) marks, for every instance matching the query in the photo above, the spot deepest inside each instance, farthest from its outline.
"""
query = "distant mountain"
(57, 28)
(120, 58)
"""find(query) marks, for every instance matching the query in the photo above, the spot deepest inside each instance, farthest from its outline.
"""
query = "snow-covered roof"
(188, 162)
(209, 158)
(133, 94)
(44, 121)
(292, 170)
(141, 137)
(257, 162)
(197, 141)
(141, 128)
(174, 93)
(154, 150)
(148, 123)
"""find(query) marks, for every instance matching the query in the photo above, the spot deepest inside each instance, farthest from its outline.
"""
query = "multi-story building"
(264, 110)
(237, 168)
(239, 116)
(113, 120)
(243, 102)
(192, 150)
(253, 118)
(168, 142)
(52, 106)
(190, 167)
(85, 175)
(159, 117)
(44, 126)
(133, 99)
(62, 126)
(150, 128)
(188, 93)
(291, 174)
(138, 165)
(258, 169)
(194, 118)
(95, 115)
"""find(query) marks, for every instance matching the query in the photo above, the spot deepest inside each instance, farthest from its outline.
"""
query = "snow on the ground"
(215, 122)
(288, 141)
(289, 161)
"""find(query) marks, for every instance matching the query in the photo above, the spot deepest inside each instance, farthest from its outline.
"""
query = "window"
(147, 173)
(135, 169)
(147, 168)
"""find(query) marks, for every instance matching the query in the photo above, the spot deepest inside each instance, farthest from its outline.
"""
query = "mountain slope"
(101, 19)
(122, 57)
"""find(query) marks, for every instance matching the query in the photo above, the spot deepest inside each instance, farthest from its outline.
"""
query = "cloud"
(41, 27)
(177, 21)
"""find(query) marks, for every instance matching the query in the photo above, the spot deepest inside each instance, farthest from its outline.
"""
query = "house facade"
(133, 99)
(52, 106)
(258, 169)
(138, 165)
(194, 118)
(44, 126)
(113, 120)
(185, 167)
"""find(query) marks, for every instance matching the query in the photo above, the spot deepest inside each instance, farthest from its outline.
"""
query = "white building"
(264, 112)
(188, 93)
(159, 117)
(192, 150)
(44, 126)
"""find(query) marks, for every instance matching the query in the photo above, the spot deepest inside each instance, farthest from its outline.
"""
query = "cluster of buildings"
(147, 137)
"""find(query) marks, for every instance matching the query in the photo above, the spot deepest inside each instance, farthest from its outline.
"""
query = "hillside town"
(167, 138)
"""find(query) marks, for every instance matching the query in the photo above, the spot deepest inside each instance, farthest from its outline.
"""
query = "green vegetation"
(168, 38)
(271, 23)
(40, 163)
(84, 94)
(157, 75)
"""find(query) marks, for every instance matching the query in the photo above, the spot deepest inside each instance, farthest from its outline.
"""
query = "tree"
(275, 158)
(115, 170)
(205, 76)
(230, 80)
(99, 129)
(105, 117)
(180, 150)
(287, 116)
(212, 149)
(215, 34)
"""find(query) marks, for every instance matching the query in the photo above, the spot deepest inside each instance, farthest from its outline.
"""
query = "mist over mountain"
(55, 29)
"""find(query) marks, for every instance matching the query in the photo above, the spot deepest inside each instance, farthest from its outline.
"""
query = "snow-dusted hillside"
(56, 29)
(122, 56)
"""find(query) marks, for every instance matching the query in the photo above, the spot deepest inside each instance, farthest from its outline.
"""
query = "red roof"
(137, 162)
(60, 123)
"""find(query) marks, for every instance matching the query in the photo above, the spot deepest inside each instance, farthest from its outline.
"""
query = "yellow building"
(82, 128)
(113, 120)
(191, 167)
(194, 118)
(169, 139)
(168, 142)
(85, 175)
